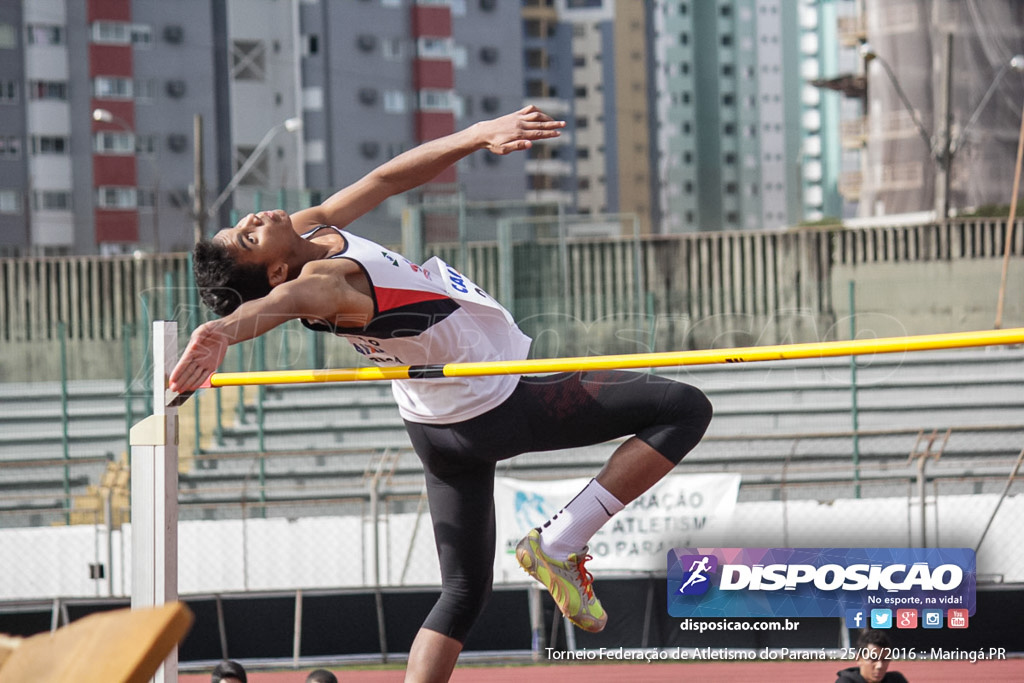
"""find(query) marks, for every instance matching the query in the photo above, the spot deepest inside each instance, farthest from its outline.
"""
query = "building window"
(579, 91)
(726, 40)
(142, 35)
(116, 198)
(582, 123)
(730, 158)
(145, 89)
(684, 39)
(536, 88)
(434, 48)
(8, 36)
(579, 61)
(728, 99)
(48, 90)
(10, 201)
(536, 58)
(112, 87)
(10, 147)
(51, 200)
(394, 101)
(582, 153)
(111, 32)
(436, 100)
(112, 142)
(248, 60)
(45, 34)
(49, 144)
(8, 92)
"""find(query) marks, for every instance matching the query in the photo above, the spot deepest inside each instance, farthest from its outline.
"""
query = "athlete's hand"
(518, 130)
(204, 353)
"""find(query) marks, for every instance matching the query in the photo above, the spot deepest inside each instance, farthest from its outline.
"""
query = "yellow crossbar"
(750, 354)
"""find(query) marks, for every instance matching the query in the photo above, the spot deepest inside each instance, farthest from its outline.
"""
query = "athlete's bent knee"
(461, 603)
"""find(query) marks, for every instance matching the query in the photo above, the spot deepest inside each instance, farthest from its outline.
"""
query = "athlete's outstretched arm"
(314, 295)
(509, 133)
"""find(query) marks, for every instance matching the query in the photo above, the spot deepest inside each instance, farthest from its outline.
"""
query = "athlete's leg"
(460, 493)
(432, 657)
(668, 419)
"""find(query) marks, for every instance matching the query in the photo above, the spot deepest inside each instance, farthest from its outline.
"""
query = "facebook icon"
(854, 618)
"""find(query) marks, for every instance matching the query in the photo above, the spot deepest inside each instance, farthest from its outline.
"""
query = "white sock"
(572, 526)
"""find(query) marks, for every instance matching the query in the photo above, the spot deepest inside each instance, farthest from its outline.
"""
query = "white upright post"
(154, 444)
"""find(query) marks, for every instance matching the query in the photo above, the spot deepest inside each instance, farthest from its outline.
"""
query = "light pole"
(943, 149)
(290, 125)
(106, 116)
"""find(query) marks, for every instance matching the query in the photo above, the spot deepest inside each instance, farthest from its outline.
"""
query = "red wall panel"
(118, 170)
(434, 124)
(117, 226)
(435, 22)
(110, 10)
(433, 73)
(110, 60)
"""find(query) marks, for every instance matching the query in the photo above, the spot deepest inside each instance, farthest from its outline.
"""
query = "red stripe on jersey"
(389, 299)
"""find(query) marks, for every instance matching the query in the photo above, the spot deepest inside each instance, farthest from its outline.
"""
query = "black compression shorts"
(544, 413)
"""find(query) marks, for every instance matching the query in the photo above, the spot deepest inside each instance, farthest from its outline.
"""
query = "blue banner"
(858, 584)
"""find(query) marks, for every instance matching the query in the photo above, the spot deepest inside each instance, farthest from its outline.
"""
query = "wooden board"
(120, 646)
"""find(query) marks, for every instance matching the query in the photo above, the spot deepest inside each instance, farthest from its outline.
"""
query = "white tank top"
(428, 315)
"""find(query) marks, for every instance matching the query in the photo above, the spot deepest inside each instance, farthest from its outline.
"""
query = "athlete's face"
(873, 664)
(259, 237)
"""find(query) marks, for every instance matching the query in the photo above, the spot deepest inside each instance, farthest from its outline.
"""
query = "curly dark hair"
(874, 637)
(224, 283)
(321, 676)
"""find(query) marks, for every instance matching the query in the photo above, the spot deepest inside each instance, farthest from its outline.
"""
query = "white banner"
(678, 512)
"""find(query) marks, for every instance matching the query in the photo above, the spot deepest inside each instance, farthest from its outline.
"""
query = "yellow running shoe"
(568, 581)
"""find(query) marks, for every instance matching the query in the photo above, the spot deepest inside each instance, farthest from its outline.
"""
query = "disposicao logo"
(777, 582)
(696, 580)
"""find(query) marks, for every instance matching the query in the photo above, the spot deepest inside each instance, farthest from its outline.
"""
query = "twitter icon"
(881, 618)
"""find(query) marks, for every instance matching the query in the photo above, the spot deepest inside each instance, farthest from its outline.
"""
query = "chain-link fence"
(370, 526)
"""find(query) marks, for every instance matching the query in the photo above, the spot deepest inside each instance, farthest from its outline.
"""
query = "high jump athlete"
(272, 267)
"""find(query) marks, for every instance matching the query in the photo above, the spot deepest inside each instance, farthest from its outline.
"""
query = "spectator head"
(873, 652)
(228, 672)
(321, 676)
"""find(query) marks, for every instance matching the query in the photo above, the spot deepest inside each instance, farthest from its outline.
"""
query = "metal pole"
(536, 621)
(506, 278)
(297, 638)
(378, 597)
(943, 176)
(260, 427)
(155, 492)
(129, 416)
(463, 234)
(921, 497)
(854, 412)
(1011, 224)
(199, 187)
(64, 440)
(108, 523)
